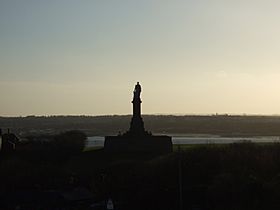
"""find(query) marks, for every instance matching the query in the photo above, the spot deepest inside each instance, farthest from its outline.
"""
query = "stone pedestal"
(144, 144)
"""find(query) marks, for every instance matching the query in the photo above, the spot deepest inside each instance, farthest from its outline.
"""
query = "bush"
(53, 147)
(70, 142)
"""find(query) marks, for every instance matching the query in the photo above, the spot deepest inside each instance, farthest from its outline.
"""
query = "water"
(95, 141)
(98, 141)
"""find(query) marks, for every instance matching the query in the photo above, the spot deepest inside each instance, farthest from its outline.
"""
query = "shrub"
(70, 142)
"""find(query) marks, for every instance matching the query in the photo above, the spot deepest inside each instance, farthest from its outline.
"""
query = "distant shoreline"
(190, 125)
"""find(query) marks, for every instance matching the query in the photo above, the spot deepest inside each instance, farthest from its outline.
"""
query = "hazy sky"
(191, 56)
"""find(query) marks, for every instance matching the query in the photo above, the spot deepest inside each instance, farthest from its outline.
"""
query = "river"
(98, 141)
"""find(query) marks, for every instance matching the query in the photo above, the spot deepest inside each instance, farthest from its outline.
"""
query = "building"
(8, 141)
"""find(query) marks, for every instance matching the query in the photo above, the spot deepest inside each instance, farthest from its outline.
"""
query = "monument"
(137, 139)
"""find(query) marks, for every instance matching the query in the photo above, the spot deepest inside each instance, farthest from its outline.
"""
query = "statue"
(137, 91)
(137, 124)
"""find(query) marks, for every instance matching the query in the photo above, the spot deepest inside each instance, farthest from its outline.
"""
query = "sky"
(83, 57)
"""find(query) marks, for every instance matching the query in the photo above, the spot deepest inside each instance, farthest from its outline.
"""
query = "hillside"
(225, 125)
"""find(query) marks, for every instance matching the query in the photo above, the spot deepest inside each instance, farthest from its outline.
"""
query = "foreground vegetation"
(236, 176)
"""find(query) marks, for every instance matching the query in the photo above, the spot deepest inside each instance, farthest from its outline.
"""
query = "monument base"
(142, 144)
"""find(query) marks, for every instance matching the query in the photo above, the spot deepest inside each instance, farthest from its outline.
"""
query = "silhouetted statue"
(137, 101)
(137, 124)
(137, 91)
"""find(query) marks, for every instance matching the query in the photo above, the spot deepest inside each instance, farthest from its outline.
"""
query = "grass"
(93, 148)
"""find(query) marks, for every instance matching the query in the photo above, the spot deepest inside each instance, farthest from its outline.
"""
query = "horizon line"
(154, 114)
